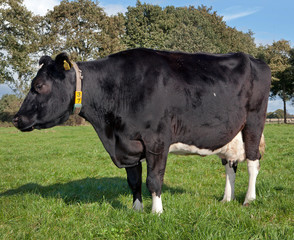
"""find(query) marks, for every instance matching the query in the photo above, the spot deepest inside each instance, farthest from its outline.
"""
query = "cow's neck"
(97, 98)
(91, 88)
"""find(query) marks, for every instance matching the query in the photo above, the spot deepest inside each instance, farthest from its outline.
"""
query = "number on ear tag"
(78, 97)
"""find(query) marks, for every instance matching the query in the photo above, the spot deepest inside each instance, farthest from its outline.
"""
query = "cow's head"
(50, 99)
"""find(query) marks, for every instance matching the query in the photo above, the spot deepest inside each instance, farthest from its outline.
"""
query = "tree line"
(86, 32)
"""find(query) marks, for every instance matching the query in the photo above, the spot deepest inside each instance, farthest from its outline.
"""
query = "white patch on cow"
(214, 94)
(253, 169)
(156, 204)
(137, 205)
(184, 149)
(230, 184)
(233, 151)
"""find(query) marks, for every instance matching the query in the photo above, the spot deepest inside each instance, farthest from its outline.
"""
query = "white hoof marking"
(253, 169)
(230, 184)
(156, 204)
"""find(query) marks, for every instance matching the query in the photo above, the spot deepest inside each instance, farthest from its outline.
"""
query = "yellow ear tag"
(66, 65)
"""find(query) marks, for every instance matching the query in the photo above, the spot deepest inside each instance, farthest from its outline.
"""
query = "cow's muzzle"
(22, 123)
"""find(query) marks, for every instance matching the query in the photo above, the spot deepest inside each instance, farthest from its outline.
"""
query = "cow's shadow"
(87, 190)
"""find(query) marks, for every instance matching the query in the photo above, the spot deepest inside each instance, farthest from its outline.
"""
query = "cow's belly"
(233, 151)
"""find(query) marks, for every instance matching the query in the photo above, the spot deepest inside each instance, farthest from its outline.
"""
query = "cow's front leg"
(156, 162)
(135, 182)
(253, 169)
(231, 169)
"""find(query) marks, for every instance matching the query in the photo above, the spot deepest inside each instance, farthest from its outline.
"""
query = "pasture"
(61, 184)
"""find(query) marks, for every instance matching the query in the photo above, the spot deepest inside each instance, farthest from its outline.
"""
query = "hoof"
(246, 204)
(157, 212)
(224, 200)
(138, 206)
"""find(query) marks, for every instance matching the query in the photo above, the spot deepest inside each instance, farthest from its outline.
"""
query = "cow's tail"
(262, 146)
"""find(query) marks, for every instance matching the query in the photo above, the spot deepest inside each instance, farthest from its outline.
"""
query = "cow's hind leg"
(231, 169)
(253, 169)
(156, 157)
(252, 137)
(135, 183)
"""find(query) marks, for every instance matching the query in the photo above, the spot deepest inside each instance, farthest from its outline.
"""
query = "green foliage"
(192, 31)
(9, 105)
(61, 184)
(201, 30)
(186, 29)
(82, 29)
(277, 56)
(284, 88)
(17, 44)
(280, 58)
(279, 113)
(146, 26)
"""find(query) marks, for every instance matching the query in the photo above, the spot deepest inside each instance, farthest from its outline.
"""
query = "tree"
(186, 29)
(145, 26)
(278, 56)
(113, 35)
(191, 31)
(279, 113)
(291, 61)
(284, 88)
(81, 28)
(17, 45)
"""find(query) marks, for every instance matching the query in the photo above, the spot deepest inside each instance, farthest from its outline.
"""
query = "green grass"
(61, 184)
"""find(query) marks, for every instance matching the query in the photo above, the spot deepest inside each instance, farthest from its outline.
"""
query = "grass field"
(61, 184)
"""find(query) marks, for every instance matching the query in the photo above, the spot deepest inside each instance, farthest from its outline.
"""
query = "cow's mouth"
(27, 129)
(23, 124)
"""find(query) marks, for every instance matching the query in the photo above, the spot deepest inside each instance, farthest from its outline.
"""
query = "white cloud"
(40, 7)
(234, 13)
(113, 9)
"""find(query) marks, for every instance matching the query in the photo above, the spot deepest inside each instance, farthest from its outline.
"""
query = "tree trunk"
(285, 111)
(284, 101)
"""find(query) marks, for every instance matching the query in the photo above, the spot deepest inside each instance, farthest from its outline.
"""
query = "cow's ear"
(62, 61)
(45, 60)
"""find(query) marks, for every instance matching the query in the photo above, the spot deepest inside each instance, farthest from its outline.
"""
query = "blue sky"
(270, 20)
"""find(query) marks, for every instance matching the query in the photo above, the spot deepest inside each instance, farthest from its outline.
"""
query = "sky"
(269, 20)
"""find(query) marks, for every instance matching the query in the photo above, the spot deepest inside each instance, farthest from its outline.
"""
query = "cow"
(145, 103)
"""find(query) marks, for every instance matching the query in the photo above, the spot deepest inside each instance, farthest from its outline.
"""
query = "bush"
(75, 120)
(9, 105)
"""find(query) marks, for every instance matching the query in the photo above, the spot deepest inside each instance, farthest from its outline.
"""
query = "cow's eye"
(39, 86)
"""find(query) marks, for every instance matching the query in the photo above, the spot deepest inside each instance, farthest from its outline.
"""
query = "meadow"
(61, 184)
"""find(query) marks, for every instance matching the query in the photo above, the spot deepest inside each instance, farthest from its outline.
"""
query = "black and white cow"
(144, 103)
